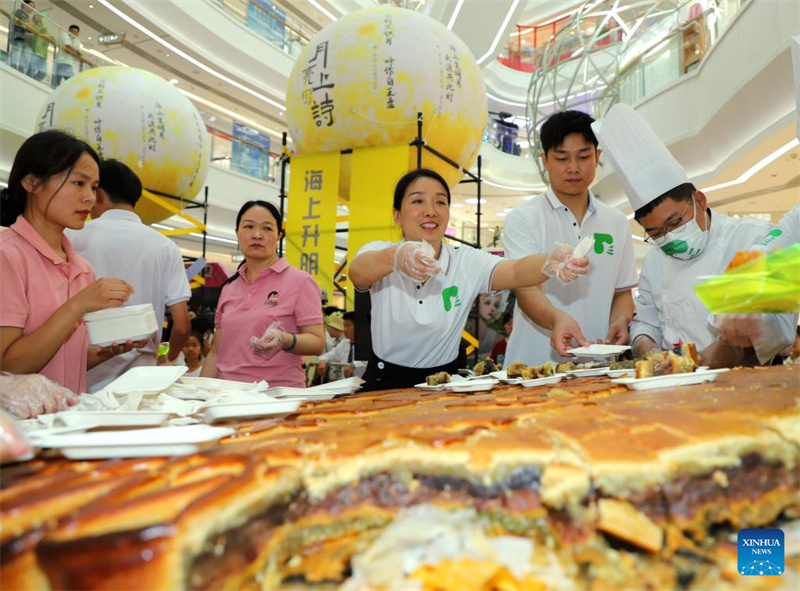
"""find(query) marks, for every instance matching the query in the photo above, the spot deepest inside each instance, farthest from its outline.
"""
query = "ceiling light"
(89, 38)
(173, 81)
(501, 214)
(189, 58)
(500, 32)
(507, 209)
(746, 175)
(537, 188)
(457, 205)
(322, 10)
(229, 113)
(454, 16)
(505, 102)
(474, 201)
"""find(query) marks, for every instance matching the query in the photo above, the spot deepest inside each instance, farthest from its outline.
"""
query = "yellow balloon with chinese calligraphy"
(142, 120)
(361, 81)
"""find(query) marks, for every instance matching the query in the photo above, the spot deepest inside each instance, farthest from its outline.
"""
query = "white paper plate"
(249, 410)
(424, 386)
(138, 443)
(620, 373)
(599, 350)
(89, 419)
(214, 384)
(554, 379)
(285, 393)
(475, 385)
(587, 373)
(680, 379)
(149, 380)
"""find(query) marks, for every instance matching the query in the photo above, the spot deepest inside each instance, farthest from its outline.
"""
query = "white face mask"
(686, 242)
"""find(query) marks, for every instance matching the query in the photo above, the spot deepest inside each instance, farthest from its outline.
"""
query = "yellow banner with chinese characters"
(311, 216)
(375, 172)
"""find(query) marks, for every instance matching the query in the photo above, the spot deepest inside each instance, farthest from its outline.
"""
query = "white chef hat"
(643, 164)
(796, 69)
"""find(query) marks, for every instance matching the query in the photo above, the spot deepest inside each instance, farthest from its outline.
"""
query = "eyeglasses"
(674, 225)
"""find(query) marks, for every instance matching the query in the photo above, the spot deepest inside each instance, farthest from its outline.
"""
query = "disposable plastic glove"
(12, 443)
(562, 265)
(27, 396)
(270, 342)
(416, 260)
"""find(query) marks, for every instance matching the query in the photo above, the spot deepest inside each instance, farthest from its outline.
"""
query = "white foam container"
(117, 325)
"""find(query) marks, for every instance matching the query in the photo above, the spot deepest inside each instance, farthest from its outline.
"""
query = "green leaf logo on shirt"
(600, 242)
(450, 298)
(772, 236)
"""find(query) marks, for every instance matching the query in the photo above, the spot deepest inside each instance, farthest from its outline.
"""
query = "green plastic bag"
(768, 285)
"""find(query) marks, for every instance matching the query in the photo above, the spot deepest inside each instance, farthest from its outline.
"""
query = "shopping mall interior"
(712, 77)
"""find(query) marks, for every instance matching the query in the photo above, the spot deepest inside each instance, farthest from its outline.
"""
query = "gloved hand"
(270, 342)
(415, 260)
(12, 443)
(562, 265)
(27, 396)
(741, 330)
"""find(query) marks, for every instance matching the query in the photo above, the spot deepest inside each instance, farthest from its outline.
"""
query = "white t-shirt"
(533, 228)
(419, 324)
(64, 57)
(118, 244)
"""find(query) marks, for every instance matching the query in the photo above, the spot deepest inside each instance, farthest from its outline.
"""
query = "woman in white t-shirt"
(422, 289)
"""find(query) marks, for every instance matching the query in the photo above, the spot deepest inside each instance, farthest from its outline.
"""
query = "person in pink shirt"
(269, 313)
(46, 287)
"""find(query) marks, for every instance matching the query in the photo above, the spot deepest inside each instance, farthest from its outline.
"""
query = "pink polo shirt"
(280, 293)
(35, 283)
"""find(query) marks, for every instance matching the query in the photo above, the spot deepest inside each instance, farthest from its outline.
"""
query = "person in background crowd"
(117, 244)
(550, 319)
(488, 310)
(39, 43)
(422, 289)
(354, 366)
(193, 354)
(20, 49)
(68, 56)
(269, 314)
(692, 242)
(46, 286)
(499, 350)
(340, 349)
(327, 311)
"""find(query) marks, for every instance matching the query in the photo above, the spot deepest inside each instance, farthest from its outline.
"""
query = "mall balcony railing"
(39, 47)
(688, 34)
(269, 22)
(242, 156)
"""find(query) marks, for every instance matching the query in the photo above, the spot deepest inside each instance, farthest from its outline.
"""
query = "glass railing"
(242, 155)
(659, 56)
(269, 22)
(506, 136)
(40, 48)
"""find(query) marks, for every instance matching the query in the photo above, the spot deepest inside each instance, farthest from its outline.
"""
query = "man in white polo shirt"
(117, 244)
(549, 319)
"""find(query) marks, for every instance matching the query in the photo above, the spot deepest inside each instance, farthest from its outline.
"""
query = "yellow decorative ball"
(362, 80)
(140, 119)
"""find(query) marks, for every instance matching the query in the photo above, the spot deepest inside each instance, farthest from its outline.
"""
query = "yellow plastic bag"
(768, 285)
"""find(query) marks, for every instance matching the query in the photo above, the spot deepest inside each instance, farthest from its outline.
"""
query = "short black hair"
(405, 182)
(507, 316)
(559, 125)
(351, 316)
(680, 193)
(119, 182)
(74, 27)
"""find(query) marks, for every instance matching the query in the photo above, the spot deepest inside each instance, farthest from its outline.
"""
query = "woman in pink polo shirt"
(269, 313)
(46, 287)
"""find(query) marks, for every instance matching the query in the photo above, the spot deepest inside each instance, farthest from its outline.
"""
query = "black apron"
(382, 375)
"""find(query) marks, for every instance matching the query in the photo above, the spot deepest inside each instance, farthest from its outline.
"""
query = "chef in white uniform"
(690, 242)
